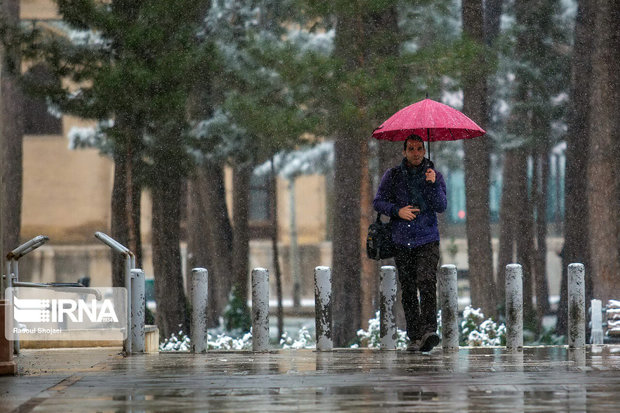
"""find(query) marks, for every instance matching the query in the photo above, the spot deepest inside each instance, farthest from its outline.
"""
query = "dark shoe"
(414, 345)
(428, 341)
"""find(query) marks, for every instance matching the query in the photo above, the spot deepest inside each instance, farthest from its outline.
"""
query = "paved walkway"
(472, 379)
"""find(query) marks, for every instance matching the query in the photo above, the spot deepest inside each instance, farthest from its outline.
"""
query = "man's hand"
(430, 175)
(408, 213)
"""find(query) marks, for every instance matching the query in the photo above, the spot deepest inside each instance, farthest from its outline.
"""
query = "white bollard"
(200, 299)
(514, 306)
(576, 306)
(128, 276)
(596, 310)
(138, 305)
(323, 308)
(387, 327)
(260, 309)
(448, 300)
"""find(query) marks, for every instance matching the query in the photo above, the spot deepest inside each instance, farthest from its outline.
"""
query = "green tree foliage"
(132, 62)
(131, 65)
(236, 317)
(256, 108)
(534, 54)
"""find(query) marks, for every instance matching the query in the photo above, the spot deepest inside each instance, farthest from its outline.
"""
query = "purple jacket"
(402, 186)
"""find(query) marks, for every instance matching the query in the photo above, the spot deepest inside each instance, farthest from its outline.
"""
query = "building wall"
(310, 209)
(66, 193)
(38, 10)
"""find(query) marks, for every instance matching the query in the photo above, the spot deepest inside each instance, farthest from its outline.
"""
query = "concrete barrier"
(576, 306)
(323, 308)
(514, 306)
(260, 309)
(387, 322)
(448, 300)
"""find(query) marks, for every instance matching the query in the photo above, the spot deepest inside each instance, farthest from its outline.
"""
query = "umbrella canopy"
(431, 120)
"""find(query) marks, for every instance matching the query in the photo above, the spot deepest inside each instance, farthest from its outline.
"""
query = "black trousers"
(417, 273)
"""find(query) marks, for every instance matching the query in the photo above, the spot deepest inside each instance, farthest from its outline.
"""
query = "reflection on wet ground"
(471, 379)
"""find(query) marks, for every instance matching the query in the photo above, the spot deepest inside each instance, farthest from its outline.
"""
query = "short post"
(387, 322)
(323, 308)
(448, 300)
(576, 306)
(596, 310)
(260, 309)
(138, 305)
(7, 364)
(200, 295)
(514, 306)
(128, 277)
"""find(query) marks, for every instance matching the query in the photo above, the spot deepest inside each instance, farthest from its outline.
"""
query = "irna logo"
(66, 313)
(60, 310)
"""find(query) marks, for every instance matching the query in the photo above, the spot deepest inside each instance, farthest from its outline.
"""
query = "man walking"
(412, 194)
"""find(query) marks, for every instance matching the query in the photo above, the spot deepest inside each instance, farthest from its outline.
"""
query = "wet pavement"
(472, 379)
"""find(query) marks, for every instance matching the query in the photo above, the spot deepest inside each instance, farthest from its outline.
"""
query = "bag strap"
(393, 171)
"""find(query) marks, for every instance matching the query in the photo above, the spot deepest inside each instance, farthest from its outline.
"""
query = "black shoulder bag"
(379, 245)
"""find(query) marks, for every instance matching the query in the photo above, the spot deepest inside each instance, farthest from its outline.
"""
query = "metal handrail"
(27, 247)
(12, 258)
(130, 263)
(112, 243)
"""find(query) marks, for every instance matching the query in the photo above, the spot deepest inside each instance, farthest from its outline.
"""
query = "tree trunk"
(576, 242)
(125, 219)
(172, 312)
(12, 131)
(294, 260)
(525, 237)
(541, 176)
(603, 163)
(134, 192)
(477, 170)
(369, 281)
(346, 247)
(213, 240)
(118, 225)
(362, 37)
(197, 222)
(274, 246)
(241, 235)
(492, 19)
(2, 252)
(508, 214)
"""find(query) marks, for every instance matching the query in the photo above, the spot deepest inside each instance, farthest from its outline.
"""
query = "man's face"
(415, 152)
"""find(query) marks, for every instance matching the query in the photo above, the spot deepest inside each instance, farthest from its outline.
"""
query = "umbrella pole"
(428, 139)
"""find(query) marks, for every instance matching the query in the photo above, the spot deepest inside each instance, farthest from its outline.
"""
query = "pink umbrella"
(433, 121)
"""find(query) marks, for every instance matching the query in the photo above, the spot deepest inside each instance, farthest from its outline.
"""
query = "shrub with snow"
(174, 343)
(476, 331)
(372, 338)
(303, 340)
